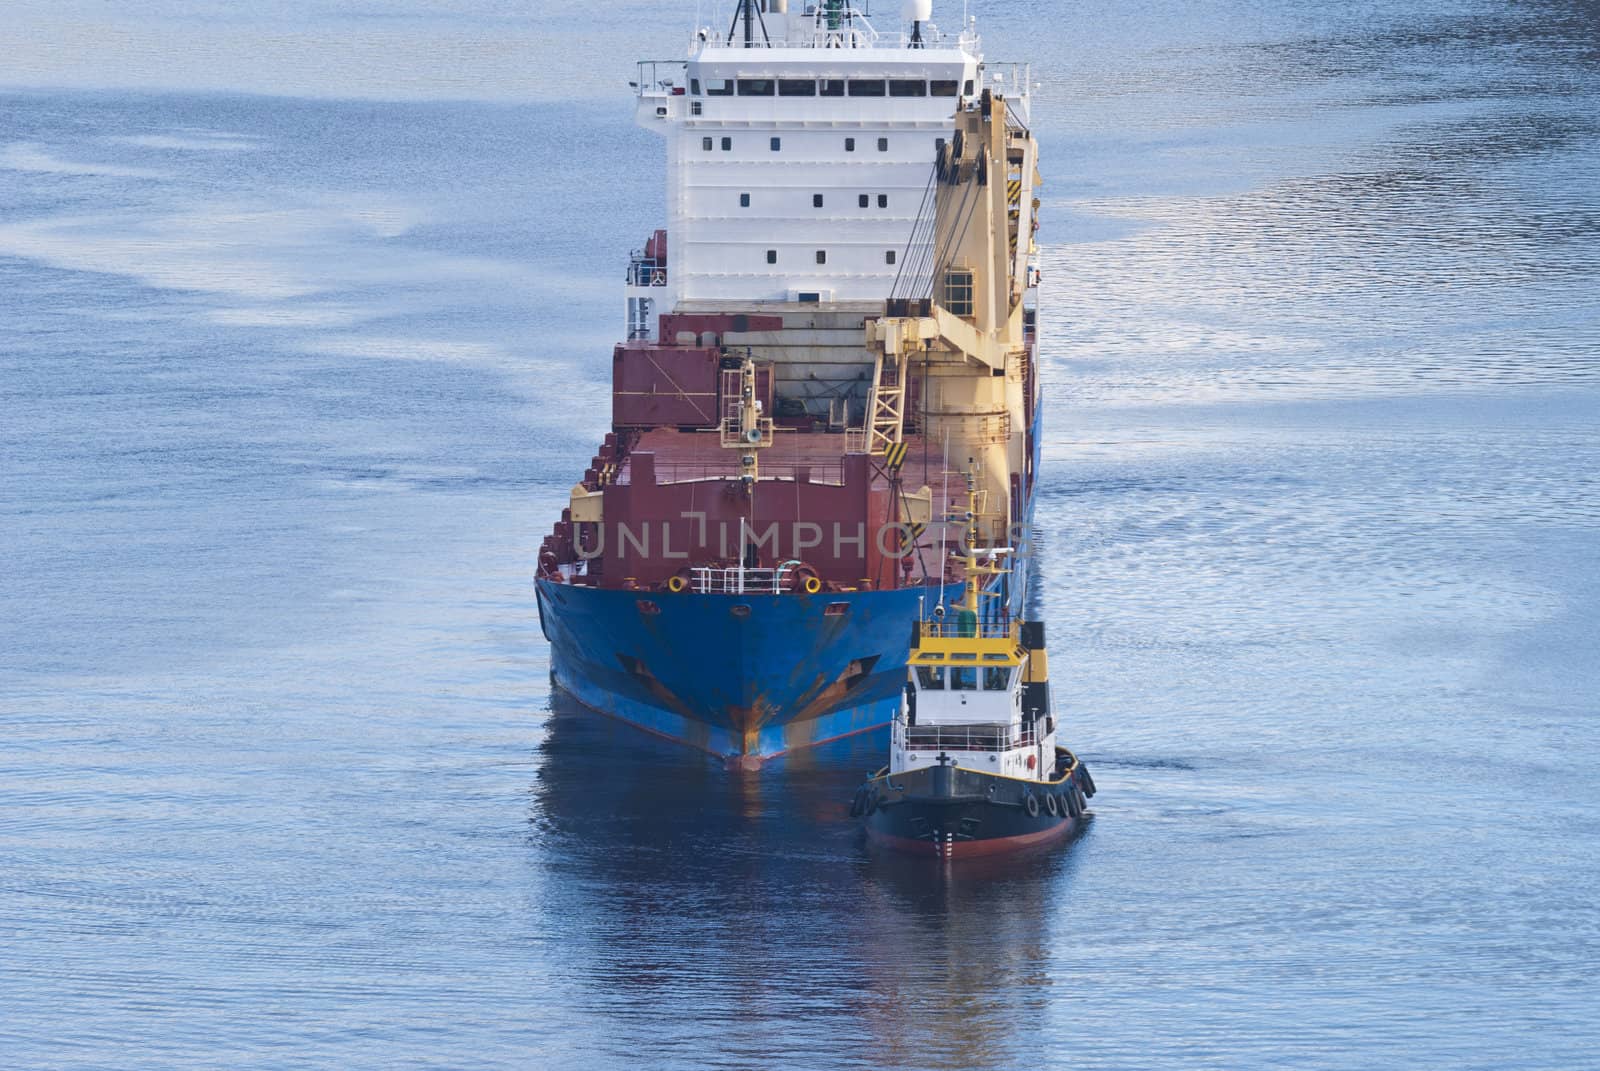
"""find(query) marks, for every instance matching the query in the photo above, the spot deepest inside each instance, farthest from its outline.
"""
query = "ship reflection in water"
(744, 899)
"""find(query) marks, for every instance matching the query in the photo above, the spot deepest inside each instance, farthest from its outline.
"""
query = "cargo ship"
(840, 310)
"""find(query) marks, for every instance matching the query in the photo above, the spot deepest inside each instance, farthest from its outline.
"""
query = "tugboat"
(974, 767)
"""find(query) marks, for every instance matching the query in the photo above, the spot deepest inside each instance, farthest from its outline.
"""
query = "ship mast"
(750, 14)
(968, 608)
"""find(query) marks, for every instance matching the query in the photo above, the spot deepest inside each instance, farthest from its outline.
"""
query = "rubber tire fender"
(1070, 798)
(1030, 803)
(857, 801)
(869, 806)
(1083, 800)
(1088, 782)
(1052, 805)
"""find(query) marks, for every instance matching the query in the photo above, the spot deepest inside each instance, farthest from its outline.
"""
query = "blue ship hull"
(749, 676)
(793, 671)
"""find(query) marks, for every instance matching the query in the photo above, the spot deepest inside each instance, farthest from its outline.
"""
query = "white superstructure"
(800, 149)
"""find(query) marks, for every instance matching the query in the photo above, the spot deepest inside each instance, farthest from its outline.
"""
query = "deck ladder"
(886, 404)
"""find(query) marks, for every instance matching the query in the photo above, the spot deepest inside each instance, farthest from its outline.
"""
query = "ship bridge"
(799, 153)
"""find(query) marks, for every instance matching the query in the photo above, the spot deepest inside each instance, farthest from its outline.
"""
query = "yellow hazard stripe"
(896, 454)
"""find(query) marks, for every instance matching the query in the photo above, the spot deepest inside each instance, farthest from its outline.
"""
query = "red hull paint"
(967, 849)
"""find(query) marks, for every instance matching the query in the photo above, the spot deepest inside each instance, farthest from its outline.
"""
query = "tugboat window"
(930, 678)
(868, 87)
(755, 87)
(996, 678)
(796, 87)
(719, 87)
(939, 88)
(908, 87)
(694, 87)
(831, 87)
(968, 89)
(963, 680)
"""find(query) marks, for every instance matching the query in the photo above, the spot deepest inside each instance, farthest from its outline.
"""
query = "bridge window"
(888, 256)
(744, 200)
(816, 200)
(883, 144)
(868, 87)
(831, 87)
(907, 87)
(705, 143)
(930, 678)
(883, 200)
(719, 87)
(862, 200)
(777, 144)
(772, 256)
(963, 680)
(727, 144)
(958, 292)
(822, 256)
(694, 87)
(849, 144)
(996, 678)
(797, 87)
(940, 88)
(968, 89)
(755, 87)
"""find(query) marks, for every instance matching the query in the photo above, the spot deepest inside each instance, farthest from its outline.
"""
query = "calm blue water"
(292, 382)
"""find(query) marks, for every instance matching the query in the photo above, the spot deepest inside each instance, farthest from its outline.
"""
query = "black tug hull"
(950, 812)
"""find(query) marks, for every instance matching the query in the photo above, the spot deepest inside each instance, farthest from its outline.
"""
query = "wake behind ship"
(840, 311)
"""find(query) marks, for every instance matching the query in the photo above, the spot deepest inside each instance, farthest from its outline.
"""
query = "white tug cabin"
(977, 698)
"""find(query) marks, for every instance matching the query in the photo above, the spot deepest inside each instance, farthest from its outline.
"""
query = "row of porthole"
(863, 200)
(776, 144)
(822, 256)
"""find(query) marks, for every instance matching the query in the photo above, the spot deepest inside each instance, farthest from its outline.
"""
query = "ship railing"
(1013, 80)
(826, 472)
(955, 630)
(814, 32)
(739, 580)
(646, 271)
(998, 736)
(661, 78)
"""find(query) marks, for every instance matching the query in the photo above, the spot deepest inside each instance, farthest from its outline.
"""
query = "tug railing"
(970, 737)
